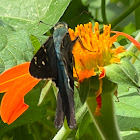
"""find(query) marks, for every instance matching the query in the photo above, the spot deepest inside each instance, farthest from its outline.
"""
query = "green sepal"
(123, 73)
(84, 90)
(88, 85)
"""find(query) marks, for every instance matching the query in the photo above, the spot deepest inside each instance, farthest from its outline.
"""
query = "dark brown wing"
(43, 65)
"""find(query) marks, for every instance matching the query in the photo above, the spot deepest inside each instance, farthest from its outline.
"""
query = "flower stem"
(103, 6)
(106, 122)
(137, 14)
(125, 14)
(62, 133)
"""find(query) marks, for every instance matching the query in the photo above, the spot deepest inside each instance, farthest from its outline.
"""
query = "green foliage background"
(21, 36)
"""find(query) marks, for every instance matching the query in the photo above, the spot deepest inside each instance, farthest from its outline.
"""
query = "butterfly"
(54, 60)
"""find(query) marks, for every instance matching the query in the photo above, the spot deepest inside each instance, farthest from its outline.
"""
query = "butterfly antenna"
(44, 23)
(80, 41)
(85, 12)
(78, 16)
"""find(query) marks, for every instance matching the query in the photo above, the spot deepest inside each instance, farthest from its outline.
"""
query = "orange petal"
(85, 74)
(12, 104)
(119, 49)
(115, 60)
(7, 77)
(22, 107)
(136, 43)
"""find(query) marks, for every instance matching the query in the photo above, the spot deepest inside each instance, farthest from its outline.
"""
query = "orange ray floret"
(7, 77)
(17, 82)
(85, 74)
(136, 43)
(118, 50)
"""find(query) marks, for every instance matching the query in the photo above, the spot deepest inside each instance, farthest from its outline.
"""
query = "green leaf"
(24, 14)
(45, 91)
(76, 14)
(137, 66)
(15, 48)
(130, 28)
(83, 125)
(35, 43)
(80, 108)
(128, 112)
(22, 133)
(123, 73)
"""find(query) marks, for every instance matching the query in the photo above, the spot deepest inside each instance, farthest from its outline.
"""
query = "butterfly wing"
(44, 65)
(65, 99)
(67, 58)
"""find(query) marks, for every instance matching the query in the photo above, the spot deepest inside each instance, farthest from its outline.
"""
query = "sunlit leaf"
(26, 14)
(44, 91)
(15, 48)
(128, 112)
(123, 73)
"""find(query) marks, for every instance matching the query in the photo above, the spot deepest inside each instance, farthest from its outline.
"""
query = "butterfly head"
(60, 24)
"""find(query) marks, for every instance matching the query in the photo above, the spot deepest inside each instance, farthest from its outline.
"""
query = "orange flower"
(98, 51)
(16, 82)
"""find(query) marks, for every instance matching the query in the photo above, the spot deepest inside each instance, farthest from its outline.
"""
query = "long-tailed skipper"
(54, 60)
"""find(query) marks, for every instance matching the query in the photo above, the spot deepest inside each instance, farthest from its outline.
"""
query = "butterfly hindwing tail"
(60, 112)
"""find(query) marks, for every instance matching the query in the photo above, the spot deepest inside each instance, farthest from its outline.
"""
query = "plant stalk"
(125, 14)
(106, 122)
